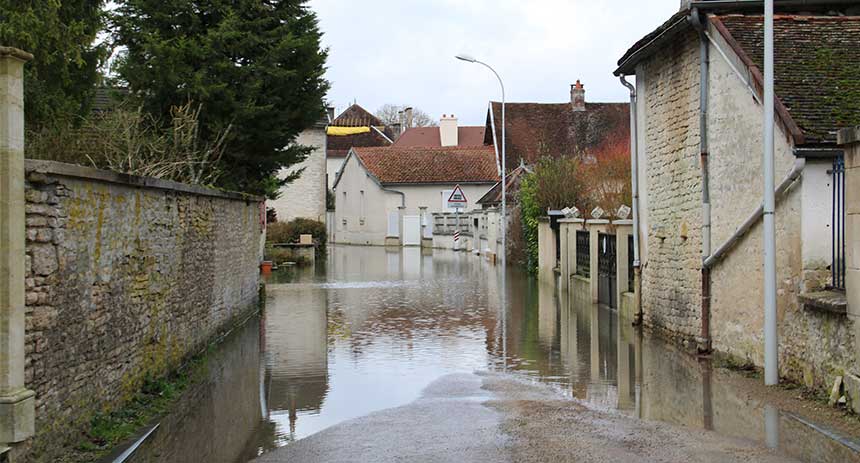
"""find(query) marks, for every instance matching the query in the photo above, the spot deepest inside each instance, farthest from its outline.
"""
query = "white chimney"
(408, 112)
(448, 130)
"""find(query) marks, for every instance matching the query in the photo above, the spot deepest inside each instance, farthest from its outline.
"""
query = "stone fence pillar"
(850, 139)
(546, 250)
(17, 414)
(623, 231)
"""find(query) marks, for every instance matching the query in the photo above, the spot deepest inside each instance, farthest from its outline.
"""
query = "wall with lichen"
(125, 277)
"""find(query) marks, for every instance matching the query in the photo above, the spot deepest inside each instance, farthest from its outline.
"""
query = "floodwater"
(373, 327)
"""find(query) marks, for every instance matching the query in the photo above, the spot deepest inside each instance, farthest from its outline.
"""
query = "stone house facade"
(672, 113)
(305, 197)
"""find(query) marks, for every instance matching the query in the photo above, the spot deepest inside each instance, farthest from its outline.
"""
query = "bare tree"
(390, 114)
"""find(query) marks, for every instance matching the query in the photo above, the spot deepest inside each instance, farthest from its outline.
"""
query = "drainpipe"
(634, 177)
(699, 24)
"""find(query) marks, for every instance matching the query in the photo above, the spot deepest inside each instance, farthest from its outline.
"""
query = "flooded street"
(374, 328)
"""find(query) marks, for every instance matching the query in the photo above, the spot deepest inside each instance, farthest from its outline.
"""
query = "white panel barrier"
(394, 224)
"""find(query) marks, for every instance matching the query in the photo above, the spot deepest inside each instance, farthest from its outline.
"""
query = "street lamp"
(470, 59)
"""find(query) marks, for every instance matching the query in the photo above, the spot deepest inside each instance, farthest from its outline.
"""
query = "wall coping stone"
(571, 220)
(61, 169)
(15, 53)
(848, 135)
(829, 301)
(623, 223)
(596, 222)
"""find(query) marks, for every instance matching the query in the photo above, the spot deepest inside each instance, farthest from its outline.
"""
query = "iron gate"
(837, 267)
(583, 254)
(607, 284)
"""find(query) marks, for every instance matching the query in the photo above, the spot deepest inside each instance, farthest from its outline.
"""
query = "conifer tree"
(255, 65)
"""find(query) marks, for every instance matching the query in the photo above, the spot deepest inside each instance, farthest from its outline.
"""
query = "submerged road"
(492, 417)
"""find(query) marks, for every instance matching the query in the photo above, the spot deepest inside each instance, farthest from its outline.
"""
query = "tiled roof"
(337, 146)
(392, 165)
(356, 116)
(816, 64)
(514, 178)
(429, 137)
(536, 130)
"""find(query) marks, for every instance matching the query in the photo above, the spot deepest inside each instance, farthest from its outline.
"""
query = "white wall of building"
(332, 167)
(305, 196)
(363, 207)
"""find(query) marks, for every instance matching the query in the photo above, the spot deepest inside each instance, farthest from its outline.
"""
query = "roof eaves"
(676, 24)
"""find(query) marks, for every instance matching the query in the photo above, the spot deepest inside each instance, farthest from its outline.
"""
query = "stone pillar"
(623, 230)
(850, 139)
(492, 234)
(546, 250)
(17, 413)
(564, 230)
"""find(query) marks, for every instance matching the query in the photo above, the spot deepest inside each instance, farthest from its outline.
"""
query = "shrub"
(288, 232)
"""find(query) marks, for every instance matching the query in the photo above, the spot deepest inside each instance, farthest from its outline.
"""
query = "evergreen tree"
(60, 81)
(255, 65)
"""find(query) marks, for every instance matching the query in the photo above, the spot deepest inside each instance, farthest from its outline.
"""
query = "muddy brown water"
(373, 327)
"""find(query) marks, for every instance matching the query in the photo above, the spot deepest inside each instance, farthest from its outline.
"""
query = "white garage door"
(411, 230)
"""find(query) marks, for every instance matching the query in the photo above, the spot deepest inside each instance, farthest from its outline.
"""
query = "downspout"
(699, 24)
(634, 177)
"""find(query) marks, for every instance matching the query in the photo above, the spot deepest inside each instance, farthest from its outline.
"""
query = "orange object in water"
(266, 267)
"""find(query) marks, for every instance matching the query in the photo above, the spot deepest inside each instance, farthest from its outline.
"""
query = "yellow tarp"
(334, 130)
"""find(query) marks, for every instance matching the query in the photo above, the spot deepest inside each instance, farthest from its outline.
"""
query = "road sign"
(457, 235)
(457, 200)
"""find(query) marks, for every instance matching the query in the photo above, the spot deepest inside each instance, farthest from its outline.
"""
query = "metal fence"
(583, 254)
(630, 271)
(837, 267)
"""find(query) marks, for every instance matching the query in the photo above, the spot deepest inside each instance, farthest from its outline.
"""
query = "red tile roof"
(356, 116)
(393, 165)
(536, 130)
(428, 137)
(337, 146)
(816, 59)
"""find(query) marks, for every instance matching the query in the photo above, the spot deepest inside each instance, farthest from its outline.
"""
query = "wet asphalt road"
(492, 417)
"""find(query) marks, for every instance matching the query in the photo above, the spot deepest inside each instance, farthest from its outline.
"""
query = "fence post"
(17, 412)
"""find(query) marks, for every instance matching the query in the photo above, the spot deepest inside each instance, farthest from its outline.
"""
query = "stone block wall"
(671, 280)
(305, 197)
(125, 278)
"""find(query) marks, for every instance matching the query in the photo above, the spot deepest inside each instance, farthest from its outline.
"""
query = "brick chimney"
(448, 130)
(577, 96)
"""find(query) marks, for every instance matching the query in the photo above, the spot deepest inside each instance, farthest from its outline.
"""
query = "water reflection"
(375, 326)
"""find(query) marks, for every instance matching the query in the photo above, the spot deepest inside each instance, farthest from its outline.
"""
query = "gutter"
(758, 4)
(700, 25)
(634, 178)
(745, 227)
(495, 142)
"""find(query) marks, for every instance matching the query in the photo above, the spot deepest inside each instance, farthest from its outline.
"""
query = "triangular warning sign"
(457, 196)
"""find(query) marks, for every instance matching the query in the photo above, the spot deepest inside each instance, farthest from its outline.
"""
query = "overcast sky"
(402, 51)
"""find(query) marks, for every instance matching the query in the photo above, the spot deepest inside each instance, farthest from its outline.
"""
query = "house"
(447, 134)
(305, 197)
(698, 139)
(355, 126)
(493, 197)
(385, 194)
(572, 128)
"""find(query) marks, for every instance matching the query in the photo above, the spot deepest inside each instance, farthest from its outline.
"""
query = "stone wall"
(125, 278)
(671, 280)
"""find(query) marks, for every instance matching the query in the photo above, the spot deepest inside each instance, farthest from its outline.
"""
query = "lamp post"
(771, 333)
(470, 59)
(503, 291)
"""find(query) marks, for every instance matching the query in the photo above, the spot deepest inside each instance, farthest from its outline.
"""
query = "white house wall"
(816, 203)
(361, 218)
(332, 167)
(305, 196)
(430, 196)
